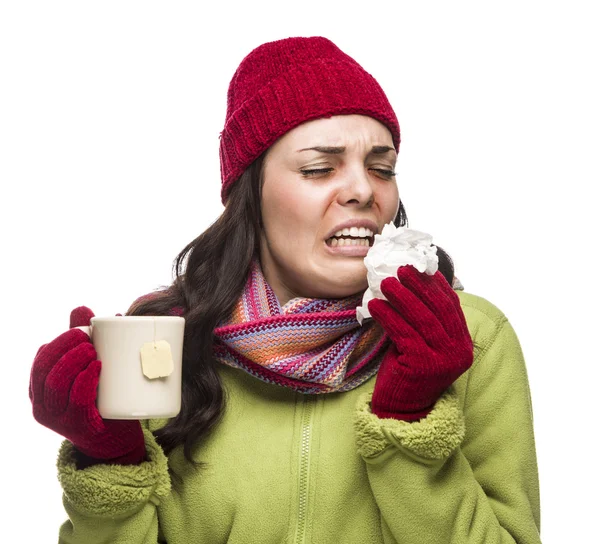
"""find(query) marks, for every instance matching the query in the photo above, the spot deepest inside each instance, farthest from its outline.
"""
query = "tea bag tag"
(157, 361)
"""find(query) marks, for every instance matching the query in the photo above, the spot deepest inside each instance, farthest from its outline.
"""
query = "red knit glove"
(62, 389)
(431, 345)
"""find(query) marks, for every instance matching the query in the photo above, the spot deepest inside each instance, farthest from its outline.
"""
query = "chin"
(345, 285)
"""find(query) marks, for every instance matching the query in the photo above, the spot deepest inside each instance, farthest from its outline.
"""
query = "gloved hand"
(62, 389)
(431, 345)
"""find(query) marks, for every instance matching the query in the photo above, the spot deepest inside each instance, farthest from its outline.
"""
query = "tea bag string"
(154, 320)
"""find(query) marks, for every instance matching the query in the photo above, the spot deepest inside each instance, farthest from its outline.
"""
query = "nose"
(358, 188)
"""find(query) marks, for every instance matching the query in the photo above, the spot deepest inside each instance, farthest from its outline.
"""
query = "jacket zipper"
(304, 471)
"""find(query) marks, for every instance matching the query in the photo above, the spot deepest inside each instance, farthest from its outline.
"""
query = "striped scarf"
(311, 345)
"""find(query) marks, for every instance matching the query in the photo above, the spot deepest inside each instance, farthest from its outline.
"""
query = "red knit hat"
(284, 83)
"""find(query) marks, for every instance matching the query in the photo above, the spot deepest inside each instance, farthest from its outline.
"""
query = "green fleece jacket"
(284, 467)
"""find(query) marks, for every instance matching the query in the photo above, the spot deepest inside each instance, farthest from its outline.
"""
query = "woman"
(297, 423)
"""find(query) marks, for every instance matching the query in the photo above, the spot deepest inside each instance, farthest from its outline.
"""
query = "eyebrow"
(375, 150)
(325, 149)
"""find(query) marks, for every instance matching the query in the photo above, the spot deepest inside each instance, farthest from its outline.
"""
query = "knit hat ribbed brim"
(284, 83)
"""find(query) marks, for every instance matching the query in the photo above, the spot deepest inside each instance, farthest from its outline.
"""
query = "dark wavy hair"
(206, 288)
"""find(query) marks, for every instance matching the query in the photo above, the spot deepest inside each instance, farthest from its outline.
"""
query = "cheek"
(291, 215)
(390, 202)
(278, 210)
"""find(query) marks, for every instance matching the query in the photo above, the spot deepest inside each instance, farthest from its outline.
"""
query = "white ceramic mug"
(125, 390)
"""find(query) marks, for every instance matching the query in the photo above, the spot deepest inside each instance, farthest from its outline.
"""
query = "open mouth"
(348, 241)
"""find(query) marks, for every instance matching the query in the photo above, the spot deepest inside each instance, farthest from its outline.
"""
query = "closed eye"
(383, 172)
(316, 171)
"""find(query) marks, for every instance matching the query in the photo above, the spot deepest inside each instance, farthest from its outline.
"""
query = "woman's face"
(302, 210)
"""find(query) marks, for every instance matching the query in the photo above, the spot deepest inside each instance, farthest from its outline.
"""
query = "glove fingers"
(414, 311)
(80, 317)
(31, 374)
(394, 326)
(48, 356)
(437, 294)
(82, 404)
(60, 379)
(40, 349)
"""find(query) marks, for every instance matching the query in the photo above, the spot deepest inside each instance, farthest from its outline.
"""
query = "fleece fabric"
(288, 467)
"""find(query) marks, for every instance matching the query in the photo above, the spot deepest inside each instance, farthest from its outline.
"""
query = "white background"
(109, 120)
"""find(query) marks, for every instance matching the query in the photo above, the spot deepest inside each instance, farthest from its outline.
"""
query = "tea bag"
(157, 361)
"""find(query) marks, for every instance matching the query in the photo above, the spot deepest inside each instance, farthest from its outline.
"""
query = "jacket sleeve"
(467, 473)
(113, 503)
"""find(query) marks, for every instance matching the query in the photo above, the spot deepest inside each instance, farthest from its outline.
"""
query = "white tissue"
(393, 248)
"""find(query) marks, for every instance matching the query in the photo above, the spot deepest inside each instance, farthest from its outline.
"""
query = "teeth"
(354, 231)
(344, 242)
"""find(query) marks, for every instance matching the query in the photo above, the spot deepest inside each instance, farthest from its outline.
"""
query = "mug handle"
(86, 330)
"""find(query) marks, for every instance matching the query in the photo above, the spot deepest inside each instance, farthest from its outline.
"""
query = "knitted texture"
(62, 389)
(284, 83)
(467, 473)
(431, 345)
(310, 345)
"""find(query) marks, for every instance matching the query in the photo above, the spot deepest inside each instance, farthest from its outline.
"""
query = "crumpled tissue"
(395, 247)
